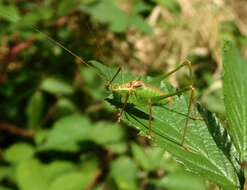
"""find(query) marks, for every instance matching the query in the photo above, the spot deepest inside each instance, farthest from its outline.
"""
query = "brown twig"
(94, 180)
(50, 113)
(12, 129)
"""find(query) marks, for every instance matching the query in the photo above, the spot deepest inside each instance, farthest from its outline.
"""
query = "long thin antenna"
(15, 19)
(61, 46)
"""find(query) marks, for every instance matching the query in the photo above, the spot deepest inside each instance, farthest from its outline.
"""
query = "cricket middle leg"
(124, 106)
(187, 115)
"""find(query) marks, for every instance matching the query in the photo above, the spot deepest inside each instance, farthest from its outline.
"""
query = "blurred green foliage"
(56, 130)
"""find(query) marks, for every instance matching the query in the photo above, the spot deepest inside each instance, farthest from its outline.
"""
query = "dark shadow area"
(130, 108)
(135, 113)
(221, 138)
(218, 133)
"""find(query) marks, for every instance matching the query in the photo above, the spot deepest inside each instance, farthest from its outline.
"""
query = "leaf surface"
(235, 91)
(208, 150)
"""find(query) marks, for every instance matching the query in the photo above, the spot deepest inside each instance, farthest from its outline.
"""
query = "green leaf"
(170, 164)
(70, 130)
(66, 133)
(156, 157)
(181, 180)
(139, 6)
(77, 179)
(107, 12)
(56, 86)
(150, 159)
(65, 7)
(119, 147)
(9, 12)
(6, 172)
(124, 172)
(141, 156)
(171, 5)
(215, 101)
(34, 109)
(136, 21)
(106, 133)
(208, 150)
(40, 136)
(5, 188)
(32, 174)
(93, 83)
(235, 91)
(58, 168)
(65, 106)
(31, 19)
(18, 152)
(203, 155)
(74, 181)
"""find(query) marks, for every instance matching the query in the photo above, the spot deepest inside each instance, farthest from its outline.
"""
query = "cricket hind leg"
(190, 88)
(187, 115)
(186, 63)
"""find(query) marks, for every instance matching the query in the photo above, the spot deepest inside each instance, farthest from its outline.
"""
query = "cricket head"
(124, 90)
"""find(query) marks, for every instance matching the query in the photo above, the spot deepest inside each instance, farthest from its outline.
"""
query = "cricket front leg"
(124, 106)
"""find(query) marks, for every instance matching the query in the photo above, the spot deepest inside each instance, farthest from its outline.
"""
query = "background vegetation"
(56, 130)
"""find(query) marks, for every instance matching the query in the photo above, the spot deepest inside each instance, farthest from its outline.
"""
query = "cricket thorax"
(134, 84)
(131, 85)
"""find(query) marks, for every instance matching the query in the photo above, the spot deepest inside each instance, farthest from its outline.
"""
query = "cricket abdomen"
(149, 93)
(140, 93)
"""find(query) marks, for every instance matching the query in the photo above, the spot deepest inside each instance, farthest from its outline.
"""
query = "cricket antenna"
(61, 46)
(15, 20)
